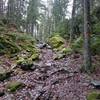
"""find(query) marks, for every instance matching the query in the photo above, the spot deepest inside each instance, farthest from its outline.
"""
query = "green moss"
(34, 57)
(14, 86)
(7, 45)
(20, 60)
(56, 41)
(67, 50)
(93, 96)
(14, 43)
(25, 61)
(58, 56)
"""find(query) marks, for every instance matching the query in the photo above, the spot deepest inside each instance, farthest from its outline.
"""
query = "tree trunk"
(87, 54)
(1, 8)
(73, 20)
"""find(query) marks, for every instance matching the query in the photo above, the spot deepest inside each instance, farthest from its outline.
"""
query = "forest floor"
(51, 79)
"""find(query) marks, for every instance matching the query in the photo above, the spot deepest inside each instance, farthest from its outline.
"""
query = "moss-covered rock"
(56, 41)
(14, 86)
(25, 64)
(7, 45)
(25, 61)
(58, 56)
(4, 74)
(22, 46)
(14, 43)
(34, 56)
(67, 50)
(93, 96)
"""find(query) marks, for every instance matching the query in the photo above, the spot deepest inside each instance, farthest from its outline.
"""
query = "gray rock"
(42, 45)
(96, 84)
(49, 47)
(48, 64)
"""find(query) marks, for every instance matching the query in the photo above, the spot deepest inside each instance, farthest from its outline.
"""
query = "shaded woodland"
(49, 50)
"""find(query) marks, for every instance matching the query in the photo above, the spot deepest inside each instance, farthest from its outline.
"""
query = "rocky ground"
(51, 79)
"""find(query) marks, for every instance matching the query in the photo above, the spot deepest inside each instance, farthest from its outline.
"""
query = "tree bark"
(1, 8)
(87, 51)
(73, 20)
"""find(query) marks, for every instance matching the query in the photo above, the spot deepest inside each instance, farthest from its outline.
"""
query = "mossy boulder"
(58, 56)
(56, 42)
(25, 61)
(22, 46)
(25, 64)
(4, 74)
(34, 56)
(67, 50)
(93, 96)
(14, 43)
(7, 45)
(14, 86)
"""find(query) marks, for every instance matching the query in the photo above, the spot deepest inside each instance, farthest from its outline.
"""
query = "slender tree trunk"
(91, 4)
(32, 29)
(1, 8)
(73, 20)
(87, 54)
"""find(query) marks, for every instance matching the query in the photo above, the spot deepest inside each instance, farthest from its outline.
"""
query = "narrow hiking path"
(51, 80)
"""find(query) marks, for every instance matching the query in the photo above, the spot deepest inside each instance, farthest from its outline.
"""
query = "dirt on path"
(52, 80)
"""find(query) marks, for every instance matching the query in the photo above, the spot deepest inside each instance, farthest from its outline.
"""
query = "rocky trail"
(50, 79)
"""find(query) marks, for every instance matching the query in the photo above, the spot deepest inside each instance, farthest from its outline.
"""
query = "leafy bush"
(96, 28)
(77, 46)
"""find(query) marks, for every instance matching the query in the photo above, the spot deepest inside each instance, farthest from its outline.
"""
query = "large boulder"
(56, 42)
